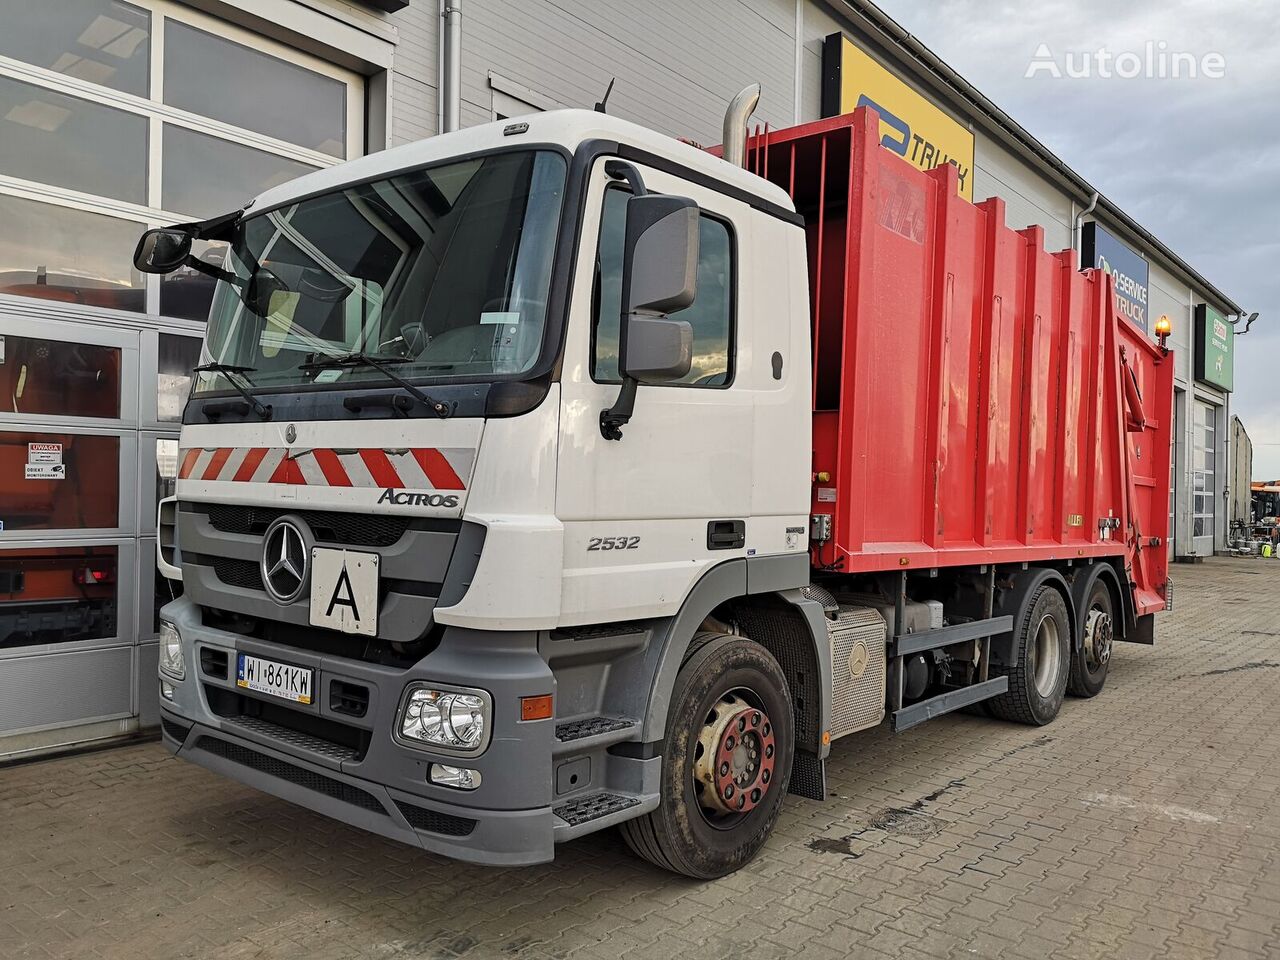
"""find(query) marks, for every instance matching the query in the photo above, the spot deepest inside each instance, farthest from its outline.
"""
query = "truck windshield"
(443, 271)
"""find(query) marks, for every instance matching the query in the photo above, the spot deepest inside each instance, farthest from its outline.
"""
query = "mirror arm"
(621, 170)
(210, 270)
(616, 417)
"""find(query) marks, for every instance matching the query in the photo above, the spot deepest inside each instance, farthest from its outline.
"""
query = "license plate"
(282, 680)
(344, 590)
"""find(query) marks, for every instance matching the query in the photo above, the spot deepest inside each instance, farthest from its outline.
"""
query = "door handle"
(726, 534)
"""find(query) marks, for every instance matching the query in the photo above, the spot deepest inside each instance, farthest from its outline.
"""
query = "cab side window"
(710, 315)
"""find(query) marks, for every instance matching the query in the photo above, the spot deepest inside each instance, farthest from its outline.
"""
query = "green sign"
(1215, 345)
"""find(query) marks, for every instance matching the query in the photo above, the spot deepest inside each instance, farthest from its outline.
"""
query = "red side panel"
(977, 398)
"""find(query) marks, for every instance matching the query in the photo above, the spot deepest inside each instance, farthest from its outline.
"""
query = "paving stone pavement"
(1142, 823)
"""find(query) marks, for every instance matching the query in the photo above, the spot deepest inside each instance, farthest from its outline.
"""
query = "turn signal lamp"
(535, 708)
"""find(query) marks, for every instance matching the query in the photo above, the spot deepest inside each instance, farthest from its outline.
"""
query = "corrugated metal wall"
(677, 64)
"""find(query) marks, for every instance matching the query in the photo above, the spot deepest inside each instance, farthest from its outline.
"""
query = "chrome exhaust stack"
(734, 139)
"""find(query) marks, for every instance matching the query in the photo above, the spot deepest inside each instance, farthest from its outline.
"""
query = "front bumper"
(369, 780)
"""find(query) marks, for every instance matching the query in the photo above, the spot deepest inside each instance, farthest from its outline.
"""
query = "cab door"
(646, 515)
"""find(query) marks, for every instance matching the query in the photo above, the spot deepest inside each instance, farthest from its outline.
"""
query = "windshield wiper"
(235, 375)
(382, 365)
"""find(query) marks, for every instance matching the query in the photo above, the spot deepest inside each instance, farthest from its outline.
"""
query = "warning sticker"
(45, 471)
(44, 453)
(44, 462)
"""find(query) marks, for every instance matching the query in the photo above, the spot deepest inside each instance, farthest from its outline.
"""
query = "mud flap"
(1144, 632)
(808, 776)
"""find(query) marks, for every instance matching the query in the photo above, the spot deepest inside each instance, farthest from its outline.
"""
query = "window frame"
(126, 482)
(157, 113)
(731, 373)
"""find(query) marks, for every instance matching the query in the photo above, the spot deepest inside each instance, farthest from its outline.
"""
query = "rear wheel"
(726, 761)
(1089, 664)
(1042, 662)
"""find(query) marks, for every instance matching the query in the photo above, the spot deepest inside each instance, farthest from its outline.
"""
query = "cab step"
(594, 806)
(585, 727)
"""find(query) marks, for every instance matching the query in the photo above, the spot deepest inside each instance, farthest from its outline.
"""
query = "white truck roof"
(567, 128)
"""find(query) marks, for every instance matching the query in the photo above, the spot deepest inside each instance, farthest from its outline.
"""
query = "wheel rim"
(735, 758)
(1048, 663)
(1098, 634)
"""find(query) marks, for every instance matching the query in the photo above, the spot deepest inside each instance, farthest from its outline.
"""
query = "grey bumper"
(377, 784)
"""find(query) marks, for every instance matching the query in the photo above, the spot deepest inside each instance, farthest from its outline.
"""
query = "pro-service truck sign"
(1129, 271)
(910, 125)
(1215, 347)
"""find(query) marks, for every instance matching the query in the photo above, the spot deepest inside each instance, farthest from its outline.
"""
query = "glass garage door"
(1204, 476)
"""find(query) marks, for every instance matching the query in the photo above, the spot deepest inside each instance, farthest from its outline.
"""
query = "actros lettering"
(406, 498)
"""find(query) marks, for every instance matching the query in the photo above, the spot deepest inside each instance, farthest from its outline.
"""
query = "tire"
(1042, 655)
(1090, 663)
(725, 679)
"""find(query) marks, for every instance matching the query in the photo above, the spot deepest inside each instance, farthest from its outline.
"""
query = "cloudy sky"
(1195, 161)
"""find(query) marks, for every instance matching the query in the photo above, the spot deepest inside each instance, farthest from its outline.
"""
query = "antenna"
(603, 102)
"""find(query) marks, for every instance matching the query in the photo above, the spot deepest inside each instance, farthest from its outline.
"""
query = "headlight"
(451, 719)
(171, 661)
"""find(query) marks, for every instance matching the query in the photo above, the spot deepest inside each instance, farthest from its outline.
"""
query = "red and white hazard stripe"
(414, 468)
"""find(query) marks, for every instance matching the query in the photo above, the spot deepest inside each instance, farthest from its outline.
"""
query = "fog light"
(460, 778)
(171, 661)
(166, 689)
(448, 719)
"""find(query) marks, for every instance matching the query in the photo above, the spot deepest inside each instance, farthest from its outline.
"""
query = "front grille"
(238, 573)
(175, 730)
(287, 771)
(429, 821)
(356, 529)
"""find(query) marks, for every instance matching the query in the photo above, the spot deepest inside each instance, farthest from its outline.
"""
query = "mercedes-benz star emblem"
(284, 561)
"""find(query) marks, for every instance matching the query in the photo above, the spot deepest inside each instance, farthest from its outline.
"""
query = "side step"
(587, 733)
(918, 713)
(596, 811)
(594, 806)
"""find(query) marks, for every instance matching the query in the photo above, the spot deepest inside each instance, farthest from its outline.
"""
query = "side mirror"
(162, 250)
(659, 276)
(660, 254)
(658, 349)
(261, 289)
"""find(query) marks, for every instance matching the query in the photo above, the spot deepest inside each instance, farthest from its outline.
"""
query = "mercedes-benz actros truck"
(554, 475)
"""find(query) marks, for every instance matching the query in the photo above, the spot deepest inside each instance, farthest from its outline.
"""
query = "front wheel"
(726, 761)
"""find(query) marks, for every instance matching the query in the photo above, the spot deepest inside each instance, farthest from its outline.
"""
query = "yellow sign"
(910, 125)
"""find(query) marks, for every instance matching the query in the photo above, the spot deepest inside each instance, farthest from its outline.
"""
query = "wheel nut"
(729, 742)
(728, 791)
(766, 776)
(768, 751)
(742, 724)
(724, 769)
(755, 796)
(755, 719)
